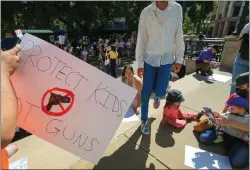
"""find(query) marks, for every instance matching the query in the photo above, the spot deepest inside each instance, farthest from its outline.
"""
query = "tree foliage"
(197, 12)
(83, 17)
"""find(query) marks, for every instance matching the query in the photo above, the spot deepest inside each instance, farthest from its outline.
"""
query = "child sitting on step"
(238, 112)
(172, 114)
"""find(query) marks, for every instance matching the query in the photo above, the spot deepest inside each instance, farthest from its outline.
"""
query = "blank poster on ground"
(130, 116)
(218, 77)
(200, 159)
(19, 164)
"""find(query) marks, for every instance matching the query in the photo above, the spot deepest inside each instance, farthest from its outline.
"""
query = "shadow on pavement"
(164, 135)
(127, 156)
(217, 148)
(202, 78)
(20, 135)
(227, 70)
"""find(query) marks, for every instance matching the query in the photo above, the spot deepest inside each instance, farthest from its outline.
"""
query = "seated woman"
(129, 78)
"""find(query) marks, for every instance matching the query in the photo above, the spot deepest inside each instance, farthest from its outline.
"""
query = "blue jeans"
(154, 78)
(240, 66)
(238, 151)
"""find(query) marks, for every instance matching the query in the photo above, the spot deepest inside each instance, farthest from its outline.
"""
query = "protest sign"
(19, 33)
(66, 101)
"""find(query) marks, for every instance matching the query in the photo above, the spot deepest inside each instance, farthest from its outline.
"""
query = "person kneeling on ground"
(203, 61)
(242, 88)
(129, 78)
(172, 114)
(232, 127)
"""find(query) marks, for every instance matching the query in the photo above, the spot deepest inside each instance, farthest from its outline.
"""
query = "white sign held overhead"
(66, 101)
(19, 33)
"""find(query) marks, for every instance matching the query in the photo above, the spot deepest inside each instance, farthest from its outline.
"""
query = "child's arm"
(240, 126)
(225, 109)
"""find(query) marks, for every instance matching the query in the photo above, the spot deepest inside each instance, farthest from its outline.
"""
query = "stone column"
(221, 26)
(229, 14)
(240, 13)
(215, 29)
(230, 51)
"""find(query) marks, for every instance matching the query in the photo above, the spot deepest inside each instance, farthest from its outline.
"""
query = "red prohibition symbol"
(57, 99)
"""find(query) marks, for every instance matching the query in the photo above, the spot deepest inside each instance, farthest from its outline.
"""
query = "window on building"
(237, 7)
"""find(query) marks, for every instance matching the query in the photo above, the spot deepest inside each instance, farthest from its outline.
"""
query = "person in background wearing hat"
(172, 114)
(241, 63)
(204, 60)
(113, 57)
(242, 88)
(235, 126)
(238, 107)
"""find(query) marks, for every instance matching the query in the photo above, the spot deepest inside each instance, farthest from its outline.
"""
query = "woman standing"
(129, 48)
(113, 58)
(84, 54)
(129, 78)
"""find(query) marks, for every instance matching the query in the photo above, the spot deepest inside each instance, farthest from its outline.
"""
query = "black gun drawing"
(56, 99)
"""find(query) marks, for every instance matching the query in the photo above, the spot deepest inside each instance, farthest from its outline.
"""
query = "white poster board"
(218, 77)
(66, 101)
(19, 33)
(200, 159)
(19, 164)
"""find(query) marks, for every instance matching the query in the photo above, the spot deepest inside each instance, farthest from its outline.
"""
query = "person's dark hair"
(124, 69)
(113, 48)
(216, 47)
(167, 104)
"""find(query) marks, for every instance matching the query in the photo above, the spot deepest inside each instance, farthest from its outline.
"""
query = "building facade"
(225, 18)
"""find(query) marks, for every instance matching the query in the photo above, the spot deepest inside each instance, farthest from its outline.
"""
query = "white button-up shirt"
(156, 44)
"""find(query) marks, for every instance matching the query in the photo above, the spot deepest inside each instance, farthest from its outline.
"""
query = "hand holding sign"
(9, 60)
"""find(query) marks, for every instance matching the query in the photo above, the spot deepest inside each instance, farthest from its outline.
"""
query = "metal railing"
(193, 48)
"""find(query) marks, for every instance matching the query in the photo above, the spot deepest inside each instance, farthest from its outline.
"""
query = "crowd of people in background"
(99, 49)
(108, 51)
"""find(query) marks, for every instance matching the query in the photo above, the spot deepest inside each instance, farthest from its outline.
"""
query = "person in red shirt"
(172, 113)
(242, 88)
